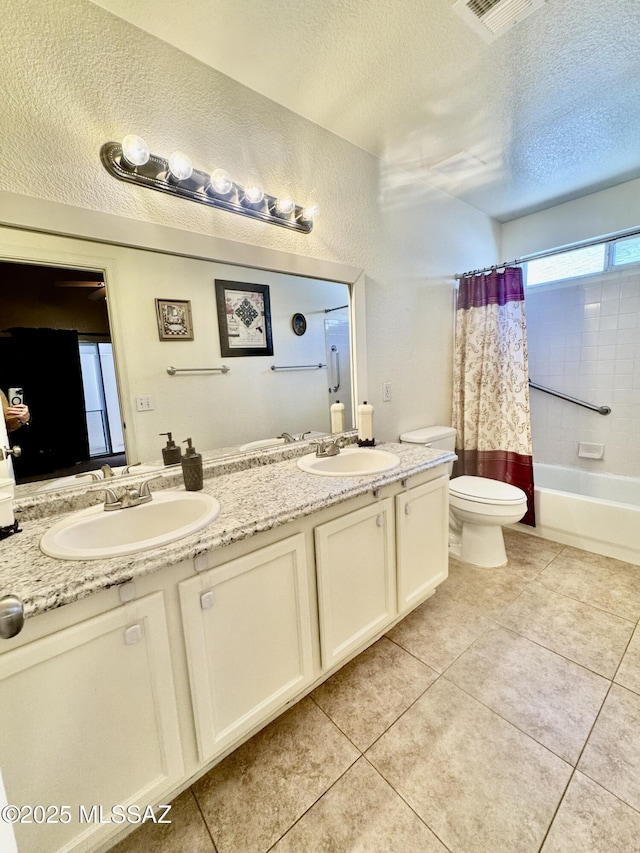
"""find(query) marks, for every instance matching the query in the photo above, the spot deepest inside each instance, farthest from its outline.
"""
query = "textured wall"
(75, 76)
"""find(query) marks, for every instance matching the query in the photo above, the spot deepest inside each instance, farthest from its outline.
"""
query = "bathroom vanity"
(133, 676)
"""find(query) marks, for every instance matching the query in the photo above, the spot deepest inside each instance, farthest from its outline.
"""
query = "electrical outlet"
(145, 404)
(386, 392)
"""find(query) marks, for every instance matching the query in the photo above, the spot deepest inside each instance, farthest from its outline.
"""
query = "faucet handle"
(144, 489)
(91, 474)
(112, 501)
(127, 468)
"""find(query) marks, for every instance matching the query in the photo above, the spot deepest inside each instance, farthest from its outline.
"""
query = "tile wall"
(584, 340)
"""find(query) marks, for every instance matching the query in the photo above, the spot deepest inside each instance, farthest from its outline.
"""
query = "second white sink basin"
(93, 534)
(260, 444)
(350, 462)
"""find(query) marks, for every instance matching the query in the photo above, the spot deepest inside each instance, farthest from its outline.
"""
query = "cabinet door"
(356, 579)
(247, 627)
(422, 525)
(88, 718)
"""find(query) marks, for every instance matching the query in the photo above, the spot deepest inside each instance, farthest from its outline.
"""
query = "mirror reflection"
(56, 354)
(56, 344)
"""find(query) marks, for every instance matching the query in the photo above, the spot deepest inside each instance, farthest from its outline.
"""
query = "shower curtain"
(491, 412)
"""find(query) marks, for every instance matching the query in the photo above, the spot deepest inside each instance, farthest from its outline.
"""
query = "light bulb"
(135, 150)
(253, 193)
(285, 205)
(180, 166)
(310, 212)
(221, 182)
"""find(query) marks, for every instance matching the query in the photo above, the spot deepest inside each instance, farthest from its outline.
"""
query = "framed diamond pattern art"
(244, 319)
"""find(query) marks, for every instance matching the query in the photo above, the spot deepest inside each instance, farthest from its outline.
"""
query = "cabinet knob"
(133, 635)
(380, 520)
(207, 600)
(407, 509)
(11, 616)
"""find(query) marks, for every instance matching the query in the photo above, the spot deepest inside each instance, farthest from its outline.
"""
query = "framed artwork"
(244, 319)
(299, 324)
(174, 319)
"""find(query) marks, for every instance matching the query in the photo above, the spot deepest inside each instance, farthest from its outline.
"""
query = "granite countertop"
(252, 500)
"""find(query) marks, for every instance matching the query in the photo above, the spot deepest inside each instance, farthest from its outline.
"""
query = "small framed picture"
(244, 319)
(174, 319)
(299, 324)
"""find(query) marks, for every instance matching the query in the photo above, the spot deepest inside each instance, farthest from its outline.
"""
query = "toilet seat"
(482, 490)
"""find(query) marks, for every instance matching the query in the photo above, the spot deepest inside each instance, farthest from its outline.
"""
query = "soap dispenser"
(365, 425)
(171, 454)
(192, 468)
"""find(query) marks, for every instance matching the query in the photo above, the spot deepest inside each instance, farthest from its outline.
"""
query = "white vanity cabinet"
(355, 565)
(247, 627)
(422, 529)
(88, 718)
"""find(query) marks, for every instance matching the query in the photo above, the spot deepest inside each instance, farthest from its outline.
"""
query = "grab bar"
(297, 366)
(173, 370)
(601, 410)
(336, 374)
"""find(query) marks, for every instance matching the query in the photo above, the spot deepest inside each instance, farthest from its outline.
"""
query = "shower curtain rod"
(547, 254)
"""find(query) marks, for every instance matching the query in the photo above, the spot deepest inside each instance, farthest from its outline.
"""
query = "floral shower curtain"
(491, 412)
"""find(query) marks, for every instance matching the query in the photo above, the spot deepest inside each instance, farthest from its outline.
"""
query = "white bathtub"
(596, 512)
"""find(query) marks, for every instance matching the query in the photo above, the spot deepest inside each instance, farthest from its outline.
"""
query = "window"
(625, 251)
(584, 261)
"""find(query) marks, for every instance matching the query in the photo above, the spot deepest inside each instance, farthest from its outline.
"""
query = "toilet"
(478, 506)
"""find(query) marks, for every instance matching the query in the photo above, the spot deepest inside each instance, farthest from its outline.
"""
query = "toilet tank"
(437, 437)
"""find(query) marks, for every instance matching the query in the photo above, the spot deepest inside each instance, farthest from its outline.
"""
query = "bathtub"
(596, 512)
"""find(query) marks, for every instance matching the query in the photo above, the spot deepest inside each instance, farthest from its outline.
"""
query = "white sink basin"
(93, 534)
(260, 444)
(350, 462)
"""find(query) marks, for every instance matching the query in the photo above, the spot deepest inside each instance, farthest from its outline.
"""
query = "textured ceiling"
(548, 112)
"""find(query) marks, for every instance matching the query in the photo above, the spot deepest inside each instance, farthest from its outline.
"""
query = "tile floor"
(503, 714)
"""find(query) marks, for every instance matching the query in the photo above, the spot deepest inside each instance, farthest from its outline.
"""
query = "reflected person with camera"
(16, 414)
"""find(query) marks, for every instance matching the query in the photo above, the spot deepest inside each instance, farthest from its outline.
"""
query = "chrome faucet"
(289, 439)
(107, 471)
(330, 449)
(131, 496)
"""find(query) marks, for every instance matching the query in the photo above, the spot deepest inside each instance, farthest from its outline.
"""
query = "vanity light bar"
(177, 177)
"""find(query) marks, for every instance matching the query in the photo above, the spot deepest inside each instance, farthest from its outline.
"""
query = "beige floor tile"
(629, 672)
(584, 634)
(255, 795)
(529, 555)
(543, 694)
(187, 832)
(612, 754)
(600, 581)
(368, 694)
(439, 630)
(488, 590)
(591, 820)
(361, 812)
(478, 782)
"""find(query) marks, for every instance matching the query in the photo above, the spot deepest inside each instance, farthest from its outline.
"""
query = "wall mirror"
(118, 341)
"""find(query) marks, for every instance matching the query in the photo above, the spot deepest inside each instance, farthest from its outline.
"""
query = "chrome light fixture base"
(155, 175)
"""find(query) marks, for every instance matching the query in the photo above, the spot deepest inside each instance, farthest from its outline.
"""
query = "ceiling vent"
(492, 18)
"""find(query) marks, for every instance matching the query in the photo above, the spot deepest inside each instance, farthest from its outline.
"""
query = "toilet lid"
(485, 491)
